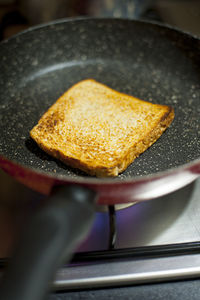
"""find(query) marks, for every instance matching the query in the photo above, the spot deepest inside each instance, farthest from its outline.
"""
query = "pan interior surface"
(147, 61)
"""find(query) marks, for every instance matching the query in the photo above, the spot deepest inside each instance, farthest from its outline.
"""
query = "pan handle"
(50, 239)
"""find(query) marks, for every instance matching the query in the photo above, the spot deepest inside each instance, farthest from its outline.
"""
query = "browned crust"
(96, 169)
(149, 139)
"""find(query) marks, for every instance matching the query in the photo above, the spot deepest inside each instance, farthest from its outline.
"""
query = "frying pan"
(152, 62)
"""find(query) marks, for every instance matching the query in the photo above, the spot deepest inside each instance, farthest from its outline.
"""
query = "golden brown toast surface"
(99, 130)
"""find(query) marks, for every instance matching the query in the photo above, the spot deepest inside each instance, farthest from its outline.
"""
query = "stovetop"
(155, 240)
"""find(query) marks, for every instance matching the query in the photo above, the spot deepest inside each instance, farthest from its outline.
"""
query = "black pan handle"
(50, 239)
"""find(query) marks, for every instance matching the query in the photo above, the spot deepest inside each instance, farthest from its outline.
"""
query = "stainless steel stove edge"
(128, 272)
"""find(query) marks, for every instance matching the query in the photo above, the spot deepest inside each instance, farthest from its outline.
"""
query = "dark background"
(17, 15)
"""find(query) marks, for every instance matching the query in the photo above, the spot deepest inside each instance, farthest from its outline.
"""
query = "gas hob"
(151, 241)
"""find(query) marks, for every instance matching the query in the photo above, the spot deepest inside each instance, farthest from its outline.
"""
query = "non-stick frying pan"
(147, 60)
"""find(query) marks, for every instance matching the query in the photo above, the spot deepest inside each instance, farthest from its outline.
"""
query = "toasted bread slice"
(99, 130)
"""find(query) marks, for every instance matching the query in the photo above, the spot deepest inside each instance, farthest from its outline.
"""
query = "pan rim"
(95, 180)
(110, 180)
(101, 18)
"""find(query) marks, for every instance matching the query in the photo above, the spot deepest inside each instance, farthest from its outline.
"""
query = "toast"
(99, 130)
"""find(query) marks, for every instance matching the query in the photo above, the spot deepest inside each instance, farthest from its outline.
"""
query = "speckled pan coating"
(145, 60)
